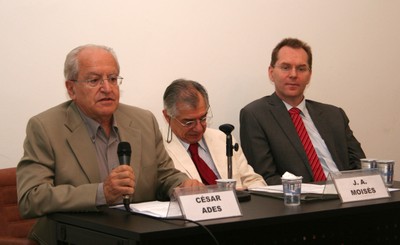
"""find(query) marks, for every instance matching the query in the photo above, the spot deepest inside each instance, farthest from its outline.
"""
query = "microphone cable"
(214, 239)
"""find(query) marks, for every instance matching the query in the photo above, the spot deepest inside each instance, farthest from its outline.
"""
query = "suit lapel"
(126, 130)
(182, 159)
(321, 122)
(81, 145)
(217, 152)
(282, 118)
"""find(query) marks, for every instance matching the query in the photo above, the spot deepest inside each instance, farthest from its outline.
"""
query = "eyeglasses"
(192, 123)
(95, 82)
(288, 68)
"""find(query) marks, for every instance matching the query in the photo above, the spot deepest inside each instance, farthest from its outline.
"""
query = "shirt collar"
(93, 126)
(302, 106)
(201, 144)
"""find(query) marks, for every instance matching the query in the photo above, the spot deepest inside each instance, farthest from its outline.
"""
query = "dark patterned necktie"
(315, 164)
(207, 175)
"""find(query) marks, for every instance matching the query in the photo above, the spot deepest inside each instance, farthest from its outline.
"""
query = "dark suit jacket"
(59, 170)
(272, 146)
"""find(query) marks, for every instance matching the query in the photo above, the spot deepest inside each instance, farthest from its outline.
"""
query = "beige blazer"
(58, 171)
(216, 143)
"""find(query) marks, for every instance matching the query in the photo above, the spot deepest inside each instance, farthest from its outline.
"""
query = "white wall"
(224, 44)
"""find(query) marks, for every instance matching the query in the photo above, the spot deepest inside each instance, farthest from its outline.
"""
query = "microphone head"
(226, 128)
(124, 149)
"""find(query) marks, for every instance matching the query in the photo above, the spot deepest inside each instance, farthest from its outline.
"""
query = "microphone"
(124, 156)
(226, 128)
(124, 153)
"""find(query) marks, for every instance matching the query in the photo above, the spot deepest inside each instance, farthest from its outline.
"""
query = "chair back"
(13, 229)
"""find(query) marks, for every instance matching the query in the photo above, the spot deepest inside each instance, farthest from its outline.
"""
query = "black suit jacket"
(271, 144)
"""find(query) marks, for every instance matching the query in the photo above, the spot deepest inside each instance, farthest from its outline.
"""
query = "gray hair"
(185, 91)
(71, 65)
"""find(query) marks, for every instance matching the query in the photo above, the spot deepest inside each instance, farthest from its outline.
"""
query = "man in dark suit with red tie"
(269, 134)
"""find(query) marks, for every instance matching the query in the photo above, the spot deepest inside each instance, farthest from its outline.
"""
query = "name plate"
(209, 205)
(360, 185)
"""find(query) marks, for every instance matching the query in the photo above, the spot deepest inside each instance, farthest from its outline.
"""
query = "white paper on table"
(153, 208)
(305, 188)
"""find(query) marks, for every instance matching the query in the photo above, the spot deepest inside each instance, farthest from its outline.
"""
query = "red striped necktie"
(207, 175)
(315, 164)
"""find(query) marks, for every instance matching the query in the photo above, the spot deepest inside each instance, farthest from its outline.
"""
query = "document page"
(305, 188)
(153, 208)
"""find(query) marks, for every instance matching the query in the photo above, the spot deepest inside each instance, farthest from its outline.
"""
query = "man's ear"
(270, 70)
(166, 116)
(70, 85)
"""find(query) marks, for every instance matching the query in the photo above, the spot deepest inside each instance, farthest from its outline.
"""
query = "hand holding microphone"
(121, 181)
